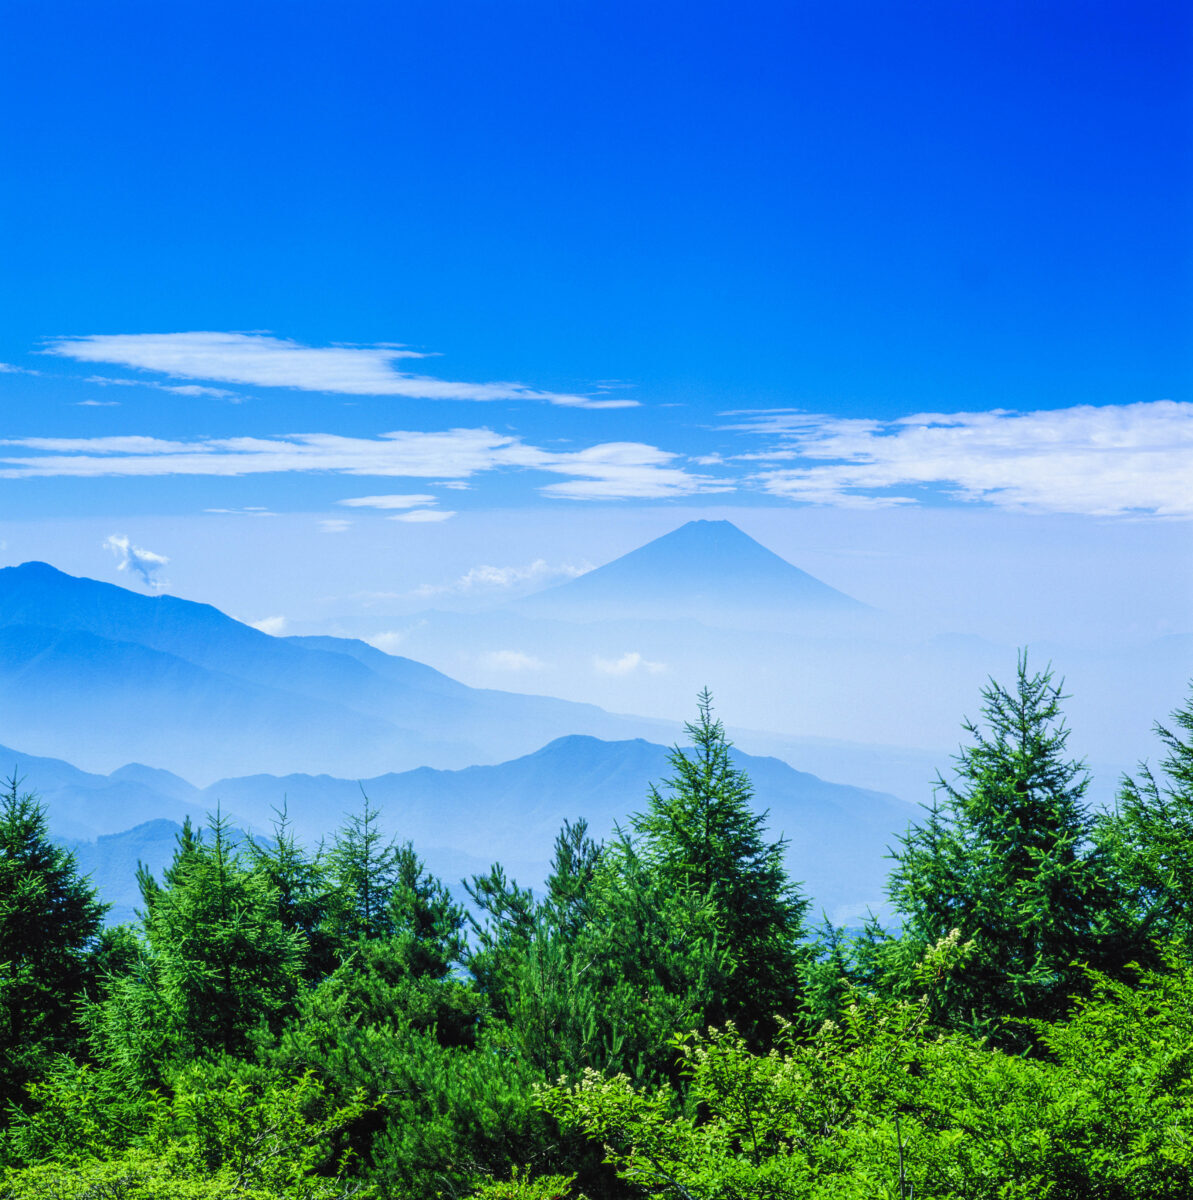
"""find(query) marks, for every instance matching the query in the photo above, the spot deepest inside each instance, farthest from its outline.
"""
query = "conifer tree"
(700, 834)
(362, 867)
(1149, 839)
(217, 962)
(49, 927)
(1004, 857)
(305, 896)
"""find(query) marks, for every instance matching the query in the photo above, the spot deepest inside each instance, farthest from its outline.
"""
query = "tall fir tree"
(362, 868)
(217, 962)
(1005, 857)
(1148, 839)
(701, 834)
(49, 931)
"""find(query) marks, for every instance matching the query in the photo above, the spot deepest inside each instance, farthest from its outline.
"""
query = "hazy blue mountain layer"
(463, 820)
(100, 675)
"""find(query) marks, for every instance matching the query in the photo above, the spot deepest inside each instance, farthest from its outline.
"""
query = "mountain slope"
(462, 820)
(708, 570)
(101, 675)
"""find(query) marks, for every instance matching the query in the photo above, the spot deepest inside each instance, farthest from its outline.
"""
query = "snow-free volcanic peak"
(701, 569)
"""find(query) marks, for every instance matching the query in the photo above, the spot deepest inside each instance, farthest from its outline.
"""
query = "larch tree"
(1005, 857)
(49, 930)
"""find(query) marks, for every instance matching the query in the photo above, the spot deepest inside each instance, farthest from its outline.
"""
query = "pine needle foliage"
(1005, 856)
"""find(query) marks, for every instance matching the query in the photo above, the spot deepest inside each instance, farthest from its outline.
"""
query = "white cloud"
(11, 369)
(334, 525)
(262, 360)
(511, 660)
(142, 563)
(419, 516)
(274, 626)
(607, 471)
(627, 664)
(387, 641)
(97, 404)
(485, 578)
(414, 501)
(626, 470)
(251, 510)
(179, 389)
(1111, 460)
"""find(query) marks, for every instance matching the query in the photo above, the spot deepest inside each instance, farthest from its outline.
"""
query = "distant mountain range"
(99, 675)
(463, 820)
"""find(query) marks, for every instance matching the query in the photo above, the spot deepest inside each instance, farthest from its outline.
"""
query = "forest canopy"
(660, 1019)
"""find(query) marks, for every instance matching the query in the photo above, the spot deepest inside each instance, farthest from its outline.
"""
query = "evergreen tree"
(701, 835)
(217, 962)
(1149, 839)
(305, 896)
(362, 868)
(1004, 857)
(49, 928)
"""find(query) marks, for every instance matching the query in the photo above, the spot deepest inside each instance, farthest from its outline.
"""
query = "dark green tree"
(1005, 857)
(701, 835)
(362, 868)
(217, 962)
(306, 899)
(49, 930)
(1148, 840)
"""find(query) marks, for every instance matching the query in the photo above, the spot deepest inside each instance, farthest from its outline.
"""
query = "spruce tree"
(1005, 857)
(1148, 840)
(49, 928)
(218, 961)
(700, 834)
(362, 868)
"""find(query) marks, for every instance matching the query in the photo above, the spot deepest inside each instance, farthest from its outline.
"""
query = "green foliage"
(1005, 856)
(881, 1103)
(305, 897)
(523, 1186)
(700, 834)
(49, 929)
(1149, 839)
(206, 1142)
(216, 961)
(286, 1025)
(611, 992)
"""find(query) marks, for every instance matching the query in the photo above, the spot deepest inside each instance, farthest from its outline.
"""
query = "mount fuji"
(708, 571)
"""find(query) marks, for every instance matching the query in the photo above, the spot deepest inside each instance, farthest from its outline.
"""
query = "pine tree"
(1005, 857)
(218, 961)
(305, 896)
(49, 928)
(362, 868)
(700, 834)
(1149, 839)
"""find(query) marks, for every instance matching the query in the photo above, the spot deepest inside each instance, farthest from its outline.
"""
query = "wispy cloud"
(419, 516)
(250, 510)
(179, 389)
(334, 525)
(97, 404)
(414, 501)
(627, 664)
(11, 369)
(274, 626)
(143, 563)
(626, 470)
(609, 471)
(1112, 460)
(511, 660)
(498, 579)
(261, 360)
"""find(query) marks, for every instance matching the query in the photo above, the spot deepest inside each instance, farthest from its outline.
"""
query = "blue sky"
(590, 257)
